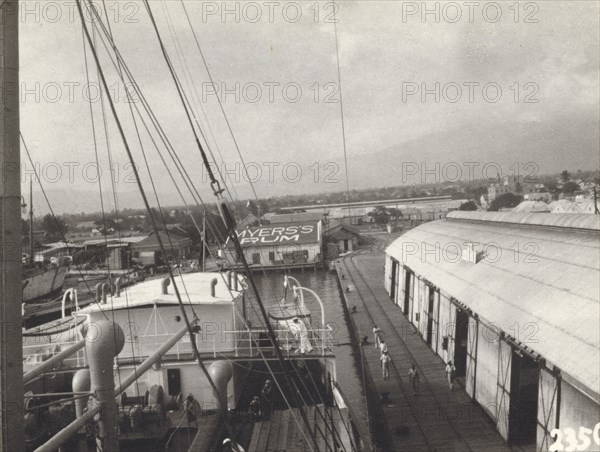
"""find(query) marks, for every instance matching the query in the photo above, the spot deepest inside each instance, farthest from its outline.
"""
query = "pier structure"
(433, 418)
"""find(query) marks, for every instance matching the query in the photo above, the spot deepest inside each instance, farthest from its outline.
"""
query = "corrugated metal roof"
(569, 220)
(295, 217)
(552, 281)
(531, 206)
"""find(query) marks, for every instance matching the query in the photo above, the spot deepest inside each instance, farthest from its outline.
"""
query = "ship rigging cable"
(184, 63)
(139, 183)
(129, 102)
(229, 224)
(194, 105)
(145, 199)
(99, 178)
(337, 59)
(115, 50)
(62, 234)
(179, 166)
(165, 140)
(219, 101)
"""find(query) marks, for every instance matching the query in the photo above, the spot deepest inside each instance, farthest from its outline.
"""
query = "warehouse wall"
(576, 409)
(488, 344)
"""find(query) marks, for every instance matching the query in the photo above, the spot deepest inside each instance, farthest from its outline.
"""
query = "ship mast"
(31, 247)
(11, 347)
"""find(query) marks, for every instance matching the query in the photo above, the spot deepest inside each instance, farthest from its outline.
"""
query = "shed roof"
(551, 283)
(531, 206)
(295, 217)
(168, 238)
(336, 225)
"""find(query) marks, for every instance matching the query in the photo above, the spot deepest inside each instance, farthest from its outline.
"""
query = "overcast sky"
(507, 83)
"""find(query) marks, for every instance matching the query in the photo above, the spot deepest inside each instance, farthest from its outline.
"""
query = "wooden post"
(11, 295)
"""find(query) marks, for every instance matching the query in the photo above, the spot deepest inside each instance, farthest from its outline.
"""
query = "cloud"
(383, 50)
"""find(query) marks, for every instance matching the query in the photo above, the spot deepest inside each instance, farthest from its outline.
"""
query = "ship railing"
(232, 343)
(35, 355)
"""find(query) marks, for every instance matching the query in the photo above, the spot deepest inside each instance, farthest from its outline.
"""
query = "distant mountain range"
(534, 148)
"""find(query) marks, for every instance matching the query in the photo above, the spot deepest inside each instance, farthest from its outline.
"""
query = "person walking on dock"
(385, 364)
(450, 374)
(376, 335)
(383, 346)
(413, 376)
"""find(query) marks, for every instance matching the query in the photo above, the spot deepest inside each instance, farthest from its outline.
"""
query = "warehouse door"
(503, 388)
(524, 388)
(431, 316)
(547, 417)
(460, 342)
(407, 293)
(394, 279)
(471, 357)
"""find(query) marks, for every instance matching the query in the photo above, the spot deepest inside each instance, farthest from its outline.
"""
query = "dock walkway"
(436, 419)
(284, 431)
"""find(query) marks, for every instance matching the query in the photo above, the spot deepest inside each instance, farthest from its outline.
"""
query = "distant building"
(539, 196)
(584, 206)
(282, 245)
(343, 235)
(520, 325)
(516, 185)
(57, 250)
(177, 246)
(294, 217)
(532, 207)
(85, 225)
(248, 220)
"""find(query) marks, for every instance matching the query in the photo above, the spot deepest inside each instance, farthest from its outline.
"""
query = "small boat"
(41, 280)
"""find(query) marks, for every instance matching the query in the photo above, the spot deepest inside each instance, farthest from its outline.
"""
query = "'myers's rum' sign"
(279, 234)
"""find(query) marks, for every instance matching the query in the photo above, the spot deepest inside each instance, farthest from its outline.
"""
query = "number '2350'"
(579, 441)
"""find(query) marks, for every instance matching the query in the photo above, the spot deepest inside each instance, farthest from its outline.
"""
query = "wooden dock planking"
(255, 437)
(263, 439)
(273, 439)
(320, 429)
(283, 431)
(294, 441)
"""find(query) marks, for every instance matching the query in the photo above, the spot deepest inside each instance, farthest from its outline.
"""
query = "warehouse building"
(276, 246)
(513, 300)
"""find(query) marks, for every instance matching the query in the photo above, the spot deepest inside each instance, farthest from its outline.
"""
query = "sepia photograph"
(299, 225)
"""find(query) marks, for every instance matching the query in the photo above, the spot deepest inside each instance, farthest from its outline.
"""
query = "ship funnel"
(213, 287)
(165, 283)
(118, 287)
(221, 372)
(99, 292)
(235, 281)
(105, 292)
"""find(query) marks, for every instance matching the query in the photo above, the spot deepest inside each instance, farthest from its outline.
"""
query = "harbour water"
(324, 283)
